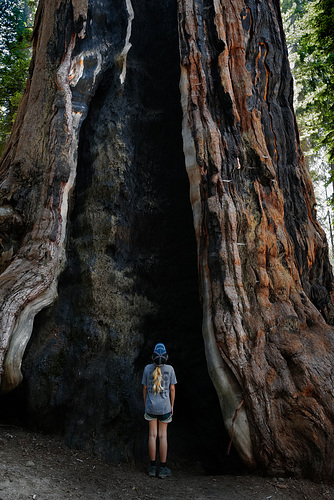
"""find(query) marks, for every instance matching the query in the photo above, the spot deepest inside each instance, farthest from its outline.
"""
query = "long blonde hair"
(157, 381)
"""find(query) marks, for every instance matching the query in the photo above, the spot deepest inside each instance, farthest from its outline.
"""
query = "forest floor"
(40, 467)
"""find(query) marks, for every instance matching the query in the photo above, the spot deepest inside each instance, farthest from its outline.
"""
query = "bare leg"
(152, 439)
(163, 441)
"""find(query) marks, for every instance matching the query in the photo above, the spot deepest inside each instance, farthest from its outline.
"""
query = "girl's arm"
(172, 395)
(144, 394)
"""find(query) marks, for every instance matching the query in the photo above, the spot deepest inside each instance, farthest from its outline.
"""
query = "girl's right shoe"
(152, 470)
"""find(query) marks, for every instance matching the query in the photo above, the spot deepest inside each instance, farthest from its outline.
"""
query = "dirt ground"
(39, 467)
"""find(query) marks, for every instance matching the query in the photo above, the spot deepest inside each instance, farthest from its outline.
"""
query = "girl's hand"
(172, 410)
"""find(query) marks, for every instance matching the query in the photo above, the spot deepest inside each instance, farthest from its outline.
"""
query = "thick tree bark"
(37, 173)
(262, 255)
(265, 278)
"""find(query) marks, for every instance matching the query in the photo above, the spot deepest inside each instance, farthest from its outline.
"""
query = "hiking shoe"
(152, 470)
(164, 472)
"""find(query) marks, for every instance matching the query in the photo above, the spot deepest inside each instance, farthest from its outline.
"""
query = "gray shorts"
(166, 418)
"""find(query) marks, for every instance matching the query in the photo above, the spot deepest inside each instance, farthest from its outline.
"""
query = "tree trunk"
(37, 173)
(264, 274)
(263, 259)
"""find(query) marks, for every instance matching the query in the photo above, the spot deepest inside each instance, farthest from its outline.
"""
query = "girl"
(159, 395)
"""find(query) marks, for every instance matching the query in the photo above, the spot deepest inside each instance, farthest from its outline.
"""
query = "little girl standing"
(159, 395)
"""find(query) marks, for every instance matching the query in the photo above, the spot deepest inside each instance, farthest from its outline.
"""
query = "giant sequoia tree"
(97, 253)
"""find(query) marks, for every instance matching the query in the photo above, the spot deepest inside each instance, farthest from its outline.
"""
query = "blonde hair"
(157, 379)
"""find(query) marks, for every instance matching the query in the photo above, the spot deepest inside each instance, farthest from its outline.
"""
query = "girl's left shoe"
(164, 472)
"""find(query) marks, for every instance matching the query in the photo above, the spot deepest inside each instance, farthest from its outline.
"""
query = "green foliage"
(15, 54)
(310, 38)
(323, 42)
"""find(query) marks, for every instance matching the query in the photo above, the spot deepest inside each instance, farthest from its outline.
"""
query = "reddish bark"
(262, 254)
